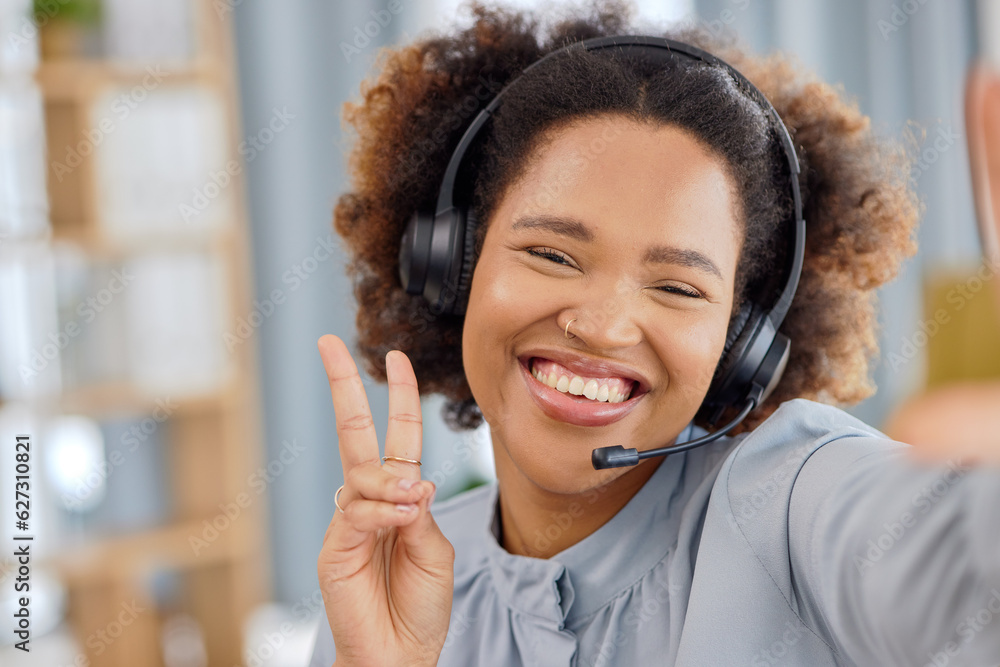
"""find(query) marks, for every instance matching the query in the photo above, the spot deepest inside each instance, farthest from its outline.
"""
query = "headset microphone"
(436, 258)
(617, 456)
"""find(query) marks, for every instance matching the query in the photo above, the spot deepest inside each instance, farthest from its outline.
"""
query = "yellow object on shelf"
(966, 343)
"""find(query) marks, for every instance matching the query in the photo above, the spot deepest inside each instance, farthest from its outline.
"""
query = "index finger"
(404, 434)
(355, 428)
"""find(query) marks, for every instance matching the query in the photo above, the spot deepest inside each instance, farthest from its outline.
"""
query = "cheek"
(496, 311)
(694, 352)
(504, 299)
(497, 307)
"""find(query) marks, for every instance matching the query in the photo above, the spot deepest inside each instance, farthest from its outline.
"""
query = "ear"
(982, 121)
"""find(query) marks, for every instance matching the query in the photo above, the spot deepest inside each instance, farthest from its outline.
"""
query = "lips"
(576, 410)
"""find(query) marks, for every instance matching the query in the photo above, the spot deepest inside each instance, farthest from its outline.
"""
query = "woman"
(803, 537)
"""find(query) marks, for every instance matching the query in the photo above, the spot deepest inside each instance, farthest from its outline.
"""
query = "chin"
(560, 470)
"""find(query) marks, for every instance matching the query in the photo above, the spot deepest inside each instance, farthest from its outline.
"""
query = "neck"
(540, 523)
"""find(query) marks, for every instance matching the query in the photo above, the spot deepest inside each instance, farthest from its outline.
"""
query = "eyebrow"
(659, 254)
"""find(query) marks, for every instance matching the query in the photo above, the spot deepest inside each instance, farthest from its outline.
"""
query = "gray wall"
(288, 57)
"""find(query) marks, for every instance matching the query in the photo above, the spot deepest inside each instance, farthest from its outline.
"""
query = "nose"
(608, 319)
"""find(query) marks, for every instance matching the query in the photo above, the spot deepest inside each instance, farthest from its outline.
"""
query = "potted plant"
(68, 28)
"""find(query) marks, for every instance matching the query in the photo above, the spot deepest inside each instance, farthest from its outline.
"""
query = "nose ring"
(566, 332)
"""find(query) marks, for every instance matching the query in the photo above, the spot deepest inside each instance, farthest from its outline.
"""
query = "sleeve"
(902, 560)
(324, 651)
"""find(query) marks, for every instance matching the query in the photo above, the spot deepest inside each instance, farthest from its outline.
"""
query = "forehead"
(635, 179)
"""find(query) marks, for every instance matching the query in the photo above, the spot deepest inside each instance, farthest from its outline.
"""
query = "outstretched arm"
(903, 559)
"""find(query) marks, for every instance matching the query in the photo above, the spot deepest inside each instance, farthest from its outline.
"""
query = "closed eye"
(674, 289)
(558, 258)
(551, 255)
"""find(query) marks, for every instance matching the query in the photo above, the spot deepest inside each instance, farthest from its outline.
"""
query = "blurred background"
(168, 170)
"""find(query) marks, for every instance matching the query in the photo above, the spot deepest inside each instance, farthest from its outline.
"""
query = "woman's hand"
(386, 571)
(959, 422)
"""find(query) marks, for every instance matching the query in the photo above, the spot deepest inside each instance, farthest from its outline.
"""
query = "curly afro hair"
(860, 209)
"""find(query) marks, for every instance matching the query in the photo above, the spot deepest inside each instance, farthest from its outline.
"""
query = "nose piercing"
(566, 332)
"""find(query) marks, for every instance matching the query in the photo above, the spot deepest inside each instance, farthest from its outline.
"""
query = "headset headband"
(660, 50)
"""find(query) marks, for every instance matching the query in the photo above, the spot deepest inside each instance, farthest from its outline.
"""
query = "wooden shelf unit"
(213, 440)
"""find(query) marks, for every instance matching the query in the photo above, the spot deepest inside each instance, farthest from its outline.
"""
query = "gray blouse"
(813, 540)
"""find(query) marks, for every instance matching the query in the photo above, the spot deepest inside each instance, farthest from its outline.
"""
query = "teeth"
(607, 392)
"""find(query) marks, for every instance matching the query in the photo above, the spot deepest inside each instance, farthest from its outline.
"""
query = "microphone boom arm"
(617, 456)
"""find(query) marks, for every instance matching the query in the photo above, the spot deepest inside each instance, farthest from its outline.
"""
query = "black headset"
(436, 256)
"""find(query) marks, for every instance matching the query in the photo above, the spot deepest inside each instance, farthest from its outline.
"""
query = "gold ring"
(335, 498)
(399, 458)
(566, 332)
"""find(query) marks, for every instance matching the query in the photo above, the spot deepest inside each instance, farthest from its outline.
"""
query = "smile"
(585, 401)
(562, 379)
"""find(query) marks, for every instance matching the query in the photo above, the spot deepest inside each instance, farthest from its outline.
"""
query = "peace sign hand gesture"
(386, 570)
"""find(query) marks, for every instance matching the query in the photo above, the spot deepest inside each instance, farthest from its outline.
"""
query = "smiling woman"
(656, 191)
(622, 214)
(859, 208)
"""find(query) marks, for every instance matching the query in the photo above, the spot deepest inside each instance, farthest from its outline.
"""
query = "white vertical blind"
(989, 30)
(437, 13)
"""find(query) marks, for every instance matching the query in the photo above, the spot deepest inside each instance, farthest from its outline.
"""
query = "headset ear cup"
(443, 252)
(464, 281)
(738, 337)
(730, 352)
(414, 251)
(738, 328)
(773, 367)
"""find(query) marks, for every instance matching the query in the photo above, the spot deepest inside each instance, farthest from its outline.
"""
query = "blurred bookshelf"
(145, 266)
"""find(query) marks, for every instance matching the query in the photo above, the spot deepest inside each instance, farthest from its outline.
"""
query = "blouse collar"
(579, 580)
